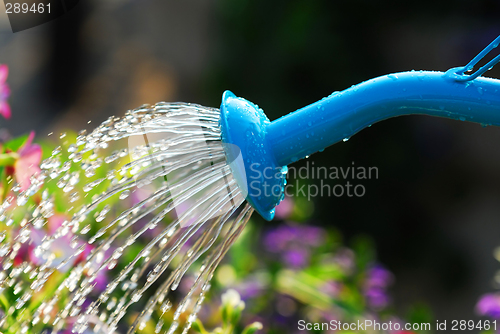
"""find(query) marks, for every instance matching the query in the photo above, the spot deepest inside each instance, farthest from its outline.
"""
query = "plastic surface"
(460, 71)
(342, 114)
(265, 146)
(243, 126)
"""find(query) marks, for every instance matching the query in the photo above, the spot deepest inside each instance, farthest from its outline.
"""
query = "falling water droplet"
(56, 151)
(124, 194)
(159, 326)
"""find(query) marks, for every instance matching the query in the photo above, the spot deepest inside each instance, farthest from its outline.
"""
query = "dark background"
(434, 212)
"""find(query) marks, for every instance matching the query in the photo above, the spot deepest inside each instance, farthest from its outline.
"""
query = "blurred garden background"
(432, 218)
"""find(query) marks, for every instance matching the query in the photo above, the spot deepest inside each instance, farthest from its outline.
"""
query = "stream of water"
(186, 203)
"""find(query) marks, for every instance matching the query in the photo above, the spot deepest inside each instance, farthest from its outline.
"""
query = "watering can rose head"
(244, 128)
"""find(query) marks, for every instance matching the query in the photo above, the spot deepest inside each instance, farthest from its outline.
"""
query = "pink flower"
(28, 162)
(61, 249)
(284, 209)
(4, 92)
(332, 288)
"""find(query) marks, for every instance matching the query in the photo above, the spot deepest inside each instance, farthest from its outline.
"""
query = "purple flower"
(294, 243)
(378, 276)
(281, 238)
(296, 258)
(252, 286)
(95, 326)
(313, 236)
(274, 241)
(377, 280)
(250, 289)
(376, 298)
(489, 305)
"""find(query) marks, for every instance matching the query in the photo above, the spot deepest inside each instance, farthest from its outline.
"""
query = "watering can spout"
(267, 147)
(342, 114)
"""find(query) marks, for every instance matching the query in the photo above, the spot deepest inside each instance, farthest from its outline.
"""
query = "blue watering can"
(267, 147)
